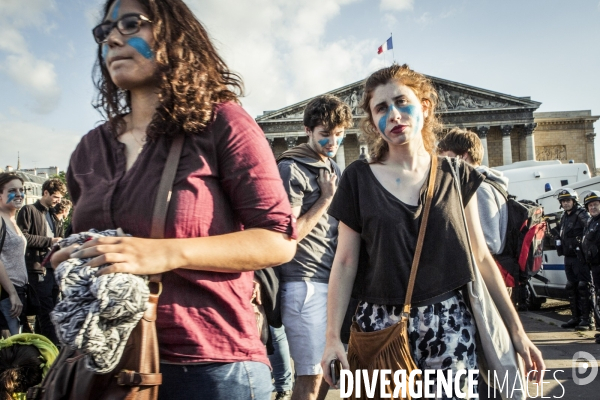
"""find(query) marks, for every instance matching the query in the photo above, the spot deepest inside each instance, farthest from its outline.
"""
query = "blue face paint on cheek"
(104, 52)
(340, 141)
(115, 12)
(383, 120)
(323, 142)
(11, 197)
(141, 46)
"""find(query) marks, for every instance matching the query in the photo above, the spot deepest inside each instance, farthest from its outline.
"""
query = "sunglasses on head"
(128, 24)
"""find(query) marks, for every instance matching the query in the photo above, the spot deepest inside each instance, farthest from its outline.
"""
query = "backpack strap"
(496, 186)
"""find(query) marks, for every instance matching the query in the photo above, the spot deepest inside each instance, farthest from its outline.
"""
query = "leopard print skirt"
(441, 335)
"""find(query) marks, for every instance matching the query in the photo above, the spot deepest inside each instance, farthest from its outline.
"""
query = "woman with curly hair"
(158, 76)
(380, 205)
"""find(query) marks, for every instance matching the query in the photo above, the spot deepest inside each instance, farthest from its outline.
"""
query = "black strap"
(497, 186)
(3, 230)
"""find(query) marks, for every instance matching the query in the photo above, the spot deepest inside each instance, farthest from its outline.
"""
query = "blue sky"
(290, 50)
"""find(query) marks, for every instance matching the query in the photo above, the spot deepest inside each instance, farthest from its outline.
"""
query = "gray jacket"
(314, 254)
(493, 211)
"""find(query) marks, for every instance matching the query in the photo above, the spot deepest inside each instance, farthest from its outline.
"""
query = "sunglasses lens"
(129, 25)
(101, 32)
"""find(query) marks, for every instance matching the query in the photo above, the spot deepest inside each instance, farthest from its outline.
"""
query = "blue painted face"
(141, 46)
(115, 13)
(409, 109)
(340, 141)
(323, 143)
(13, 195)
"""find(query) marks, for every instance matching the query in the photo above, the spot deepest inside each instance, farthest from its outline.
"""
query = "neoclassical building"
(508, 126)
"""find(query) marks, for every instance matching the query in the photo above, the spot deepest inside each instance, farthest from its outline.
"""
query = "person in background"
(38, 227)
(310, 178)
(24, 361)
(13, 272)
(159, 76)
(60, 213)
(579, 278)
(493, 211)
(590, 245)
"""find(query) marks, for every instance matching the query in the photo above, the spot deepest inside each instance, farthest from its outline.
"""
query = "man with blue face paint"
(310, 178)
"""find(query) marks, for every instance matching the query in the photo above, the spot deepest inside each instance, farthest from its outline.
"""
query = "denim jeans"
(280, 360)
(14, 325)
(246, 380)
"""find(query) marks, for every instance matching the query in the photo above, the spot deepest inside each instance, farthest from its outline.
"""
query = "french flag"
(386, 46)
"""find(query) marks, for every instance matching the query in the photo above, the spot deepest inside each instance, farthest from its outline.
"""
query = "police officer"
(572, 224)
(591, 246)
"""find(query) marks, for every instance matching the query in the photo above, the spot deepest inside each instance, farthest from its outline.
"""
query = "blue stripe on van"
(554, 267)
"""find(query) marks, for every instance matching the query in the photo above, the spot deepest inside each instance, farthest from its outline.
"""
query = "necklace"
(141, 144)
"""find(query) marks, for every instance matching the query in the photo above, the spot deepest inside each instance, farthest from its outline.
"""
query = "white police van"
(539, 181)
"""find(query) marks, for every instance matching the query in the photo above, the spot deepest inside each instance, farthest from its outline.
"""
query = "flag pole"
(393, 55)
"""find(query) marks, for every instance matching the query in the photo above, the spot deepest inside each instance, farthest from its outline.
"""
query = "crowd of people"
(336, 247)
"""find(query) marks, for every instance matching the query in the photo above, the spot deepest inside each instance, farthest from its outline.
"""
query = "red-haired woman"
(160, 76)
(379, 205)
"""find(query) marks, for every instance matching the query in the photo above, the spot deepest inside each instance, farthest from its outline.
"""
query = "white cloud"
(48, 148)
(396, 5)
(424, 19)
(281, 51)
(35, 75)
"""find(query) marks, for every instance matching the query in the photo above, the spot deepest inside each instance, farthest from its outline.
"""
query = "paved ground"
(558, 347)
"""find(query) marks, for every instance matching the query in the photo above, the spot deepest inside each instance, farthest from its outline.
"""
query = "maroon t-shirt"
(227, 180)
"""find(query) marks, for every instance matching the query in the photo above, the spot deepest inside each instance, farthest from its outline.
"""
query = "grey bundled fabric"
(97, 314)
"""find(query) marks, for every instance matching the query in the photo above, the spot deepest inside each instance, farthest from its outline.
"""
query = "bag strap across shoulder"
(3, 234)
(421, 237)
(163, 195)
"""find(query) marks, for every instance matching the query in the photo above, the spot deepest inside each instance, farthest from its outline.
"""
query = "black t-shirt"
(389, 228)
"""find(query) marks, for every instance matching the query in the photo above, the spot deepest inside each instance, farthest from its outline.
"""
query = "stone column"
(340, 157)
(591, 152)
(271, 141)
(506, 145)
(529, 142)
(291, 141)
(482, 132)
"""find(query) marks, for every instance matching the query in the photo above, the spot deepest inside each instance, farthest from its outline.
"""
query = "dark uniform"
(579, 278)
(591, 250)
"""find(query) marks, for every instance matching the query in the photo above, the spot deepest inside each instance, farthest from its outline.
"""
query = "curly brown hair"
(461, 141)
(329, 111)
(425, 91)
(191, 76)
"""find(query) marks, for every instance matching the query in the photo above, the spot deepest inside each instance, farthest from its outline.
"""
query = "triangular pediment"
(454, 98)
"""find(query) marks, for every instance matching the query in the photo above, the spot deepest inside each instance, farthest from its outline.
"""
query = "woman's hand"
(334, 349)
(62, 255)
(16, 307)
(127, 254)
(532, 356)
